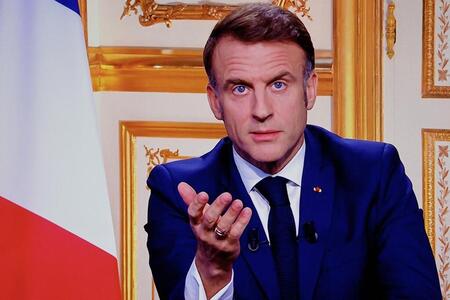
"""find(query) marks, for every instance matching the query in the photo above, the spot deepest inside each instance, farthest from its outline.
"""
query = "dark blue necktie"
(282, 234)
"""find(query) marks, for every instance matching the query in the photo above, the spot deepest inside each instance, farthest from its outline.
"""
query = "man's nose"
(262, 107)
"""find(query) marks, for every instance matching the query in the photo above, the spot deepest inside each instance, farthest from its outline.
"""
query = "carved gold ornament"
(156, 157)
(391, 30)
(150, 12)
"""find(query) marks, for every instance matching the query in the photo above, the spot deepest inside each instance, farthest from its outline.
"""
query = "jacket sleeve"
(171, 243)
(405, 264)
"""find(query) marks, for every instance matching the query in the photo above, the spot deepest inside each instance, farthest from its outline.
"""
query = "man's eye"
(240, 90)
(278, 85)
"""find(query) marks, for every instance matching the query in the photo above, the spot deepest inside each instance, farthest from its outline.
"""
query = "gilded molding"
(128, 212)
(83, 14)
(435, 198)
(429, 88)
(168, 70)
(357, 69)
(150, 12)
(391, 30)
(443, 259)
(147, 69)
(129, 131)
(428, 141)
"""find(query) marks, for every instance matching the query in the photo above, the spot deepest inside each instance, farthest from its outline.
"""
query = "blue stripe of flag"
(71, 4)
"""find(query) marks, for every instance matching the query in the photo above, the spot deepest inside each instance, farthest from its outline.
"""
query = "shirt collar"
(251, 175)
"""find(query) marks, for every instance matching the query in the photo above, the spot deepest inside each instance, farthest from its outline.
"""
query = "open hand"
(218, 230)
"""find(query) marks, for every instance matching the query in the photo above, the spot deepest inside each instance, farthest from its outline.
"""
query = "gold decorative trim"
(391, 30)
(432, 200)
(129, 131)
(167, 70)
(429, 88)
(150, 12)
(83, 14)
(444, 227)
(429, 139)
(357, 69)
(442, 36)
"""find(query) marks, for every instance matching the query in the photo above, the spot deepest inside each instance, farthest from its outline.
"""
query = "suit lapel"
(260, 262)
(317, 194)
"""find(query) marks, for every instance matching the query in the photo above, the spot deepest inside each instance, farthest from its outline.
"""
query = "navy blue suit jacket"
(371, 240)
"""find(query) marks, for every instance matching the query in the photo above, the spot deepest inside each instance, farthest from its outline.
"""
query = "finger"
(186, 192)
(230, 215)
(215, 210)
(241, 222)
(197, 207)
(197, 202)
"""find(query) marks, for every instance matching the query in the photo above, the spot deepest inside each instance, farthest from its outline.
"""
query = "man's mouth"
(264, 135)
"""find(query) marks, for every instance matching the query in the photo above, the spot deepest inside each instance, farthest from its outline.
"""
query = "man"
(278, 209)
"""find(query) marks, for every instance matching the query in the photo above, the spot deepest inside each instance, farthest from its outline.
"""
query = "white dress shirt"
(250, 176)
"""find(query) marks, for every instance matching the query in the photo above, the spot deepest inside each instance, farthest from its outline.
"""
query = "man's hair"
(260, 22)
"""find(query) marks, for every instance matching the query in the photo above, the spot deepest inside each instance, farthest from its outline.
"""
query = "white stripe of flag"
(51, 167)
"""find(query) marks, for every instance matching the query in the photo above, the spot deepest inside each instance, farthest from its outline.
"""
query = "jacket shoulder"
(339, 148)
(194, 171)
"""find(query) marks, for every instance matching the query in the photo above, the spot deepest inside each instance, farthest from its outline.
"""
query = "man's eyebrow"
(235, 81)
(281, 75)
(238, 81)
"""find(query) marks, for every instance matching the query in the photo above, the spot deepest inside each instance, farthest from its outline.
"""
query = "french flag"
(56, 231)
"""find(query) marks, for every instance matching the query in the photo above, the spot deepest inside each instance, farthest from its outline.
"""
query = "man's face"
(260, 96)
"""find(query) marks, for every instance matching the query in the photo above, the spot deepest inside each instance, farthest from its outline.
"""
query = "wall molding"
(140, 69)
(357, 91)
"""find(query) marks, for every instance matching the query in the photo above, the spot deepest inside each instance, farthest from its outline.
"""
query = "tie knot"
(274, 190)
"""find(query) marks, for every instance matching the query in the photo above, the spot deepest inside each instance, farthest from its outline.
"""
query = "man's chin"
(265, 159)
(271, 160)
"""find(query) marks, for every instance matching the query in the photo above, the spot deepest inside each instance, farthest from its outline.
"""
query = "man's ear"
(214, 102)
(311, 90)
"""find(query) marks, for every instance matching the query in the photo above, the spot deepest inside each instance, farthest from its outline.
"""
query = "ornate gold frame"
(429, 89)
(152, 12)
(429, 165)
(129, 131)
(429, 138)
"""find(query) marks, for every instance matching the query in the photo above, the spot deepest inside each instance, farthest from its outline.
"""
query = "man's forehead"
(230, 49)
(230, 43)
(227, 39)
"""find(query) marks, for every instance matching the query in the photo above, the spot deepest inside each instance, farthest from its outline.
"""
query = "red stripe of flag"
(40, 260)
